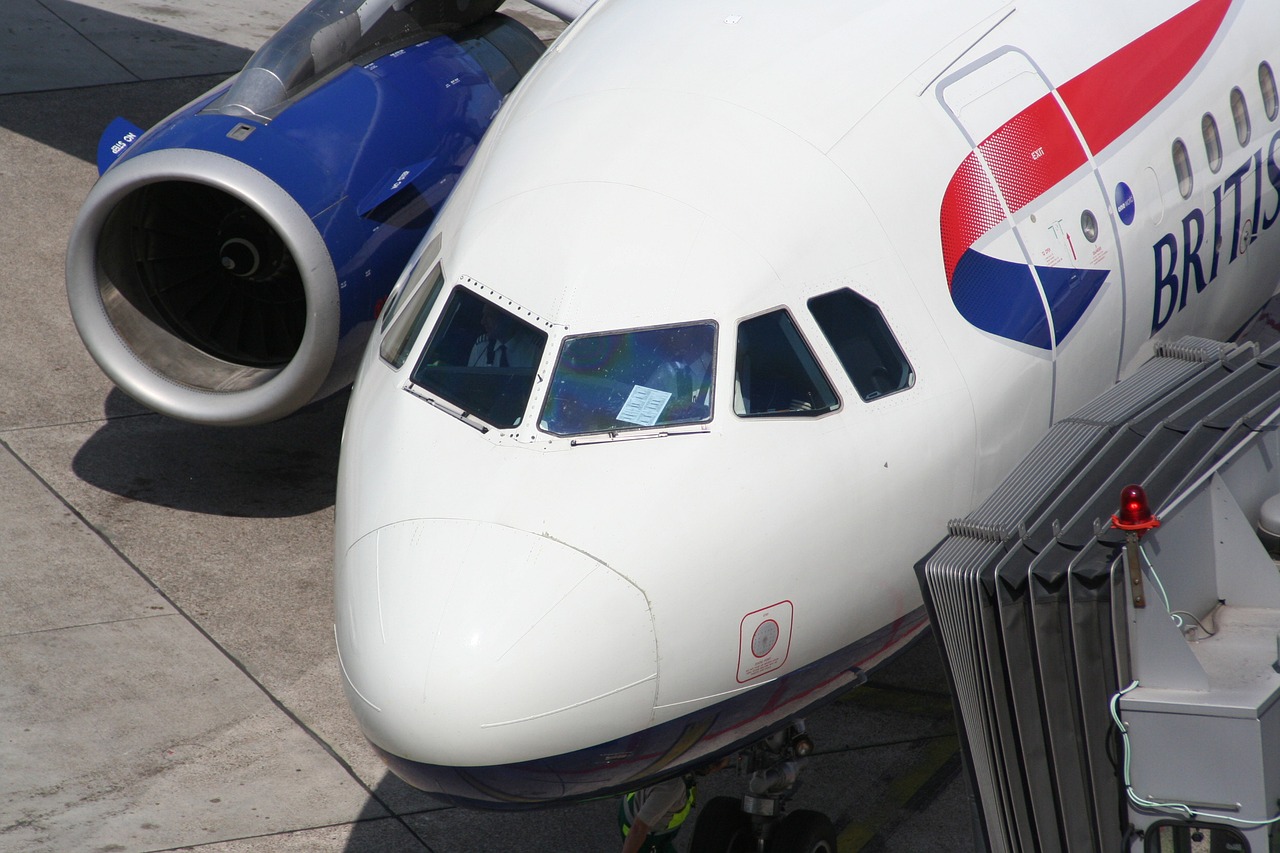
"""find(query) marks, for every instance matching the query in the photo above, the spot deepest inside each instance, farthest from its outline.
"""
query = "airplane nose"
(447, 630)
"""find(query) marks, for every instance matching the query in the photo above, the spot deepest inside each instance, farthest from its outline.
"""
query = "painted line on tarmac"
(937, 760)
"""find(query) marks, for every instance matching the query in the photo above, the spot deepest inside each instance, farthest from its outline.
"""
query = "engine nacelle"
(229, 263)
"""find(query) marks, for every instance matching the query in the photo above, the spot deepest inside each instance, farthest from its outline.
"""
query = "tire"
(722, 827)
(804, 832)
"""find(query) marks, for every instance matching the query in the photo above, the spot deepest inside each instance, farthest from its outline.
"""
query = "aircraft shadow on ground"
(72, 120)
(279, 470)
(429, 824)
(374, 832)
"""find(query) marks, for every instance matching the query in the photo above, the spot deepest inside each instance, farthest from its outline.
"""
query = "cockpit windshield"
(481, 358)
(629, 380)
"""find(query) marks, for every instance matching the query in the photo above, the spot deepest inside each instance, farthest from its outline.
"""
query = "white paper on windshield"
(643, 406)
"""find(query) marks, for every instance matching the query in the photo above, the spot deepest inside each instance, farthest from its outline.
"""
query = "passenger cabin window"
(482, 359)
(406, 327)
(1240, 115)
(776, 373)
(1182, 167)
(1212, 142)
(1270, 97)
(857, 332)
(654, 377)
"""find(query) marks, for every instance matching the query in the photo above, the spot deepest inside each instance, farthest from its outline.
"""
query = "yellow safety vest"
(630, 808)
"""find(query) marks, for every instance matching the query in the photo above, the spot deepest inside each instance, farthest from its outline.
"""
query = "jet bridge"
(1115, 697)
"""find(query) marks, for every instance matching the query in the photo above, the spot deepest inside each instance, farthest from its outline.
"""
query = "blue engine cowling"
(228, 264)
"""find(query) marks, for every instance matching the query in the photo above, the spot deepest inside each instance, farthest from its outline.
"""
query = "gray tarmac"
(168, 679)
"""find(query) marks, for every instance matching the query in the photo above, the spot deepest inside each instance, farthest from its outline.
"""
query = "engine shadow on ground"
(278, 470)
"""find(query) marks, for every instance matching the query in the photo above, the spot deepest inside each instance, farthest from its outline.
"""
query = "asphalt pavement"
(168, 678)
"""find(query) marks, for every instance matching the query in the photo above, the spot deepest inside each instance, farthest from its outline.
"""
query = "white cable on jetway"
(1182, 809)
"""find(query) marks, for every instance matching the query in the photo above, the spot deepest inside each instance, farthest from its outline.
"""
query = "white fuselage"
(510, 594)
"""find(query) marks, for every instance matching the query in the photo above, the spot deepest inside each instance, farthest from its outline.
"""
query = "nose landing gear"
(758, 823)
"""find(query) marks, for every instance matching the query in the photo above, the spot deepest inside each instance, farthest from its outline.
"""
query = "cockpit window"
(482, 359)
(866, 348)
(429, 256)
(404, 332)
(776, 372)
(629, 380)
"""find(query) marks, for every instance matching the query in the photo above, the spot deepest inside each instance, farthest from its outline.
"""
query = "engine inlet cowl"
(208, 268)
(203, 289)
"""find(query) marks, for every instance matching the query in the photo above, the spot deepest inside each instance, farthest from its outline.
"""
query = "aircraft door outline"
(1020, 225)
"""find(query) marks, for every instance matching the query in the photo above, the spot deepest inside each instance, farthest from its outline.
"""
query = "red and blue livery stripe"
(1037, 150)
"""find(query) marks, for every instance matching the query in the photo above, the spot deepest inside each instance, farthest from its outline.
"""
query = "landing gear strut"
(758, 823)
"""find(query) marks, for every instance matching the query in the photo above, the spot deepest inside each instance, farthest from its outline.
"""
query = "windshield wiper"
(453, 411)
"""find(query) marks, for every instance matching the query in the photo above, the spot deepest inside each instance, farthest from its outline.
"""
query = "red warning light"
(1135, 512)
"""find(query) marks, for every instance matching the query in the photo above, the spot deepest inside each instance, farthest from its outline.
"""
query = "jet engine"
(227, 266)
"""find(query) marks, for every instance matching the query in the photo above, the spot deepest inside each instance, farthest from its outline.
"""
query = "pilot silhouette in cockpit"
(503, 343)
(686, 374)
